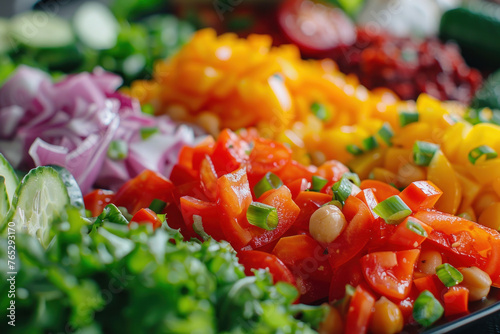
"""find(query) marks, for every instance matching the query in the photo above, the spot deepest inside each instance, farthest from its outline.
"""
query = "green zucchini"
(476, 29)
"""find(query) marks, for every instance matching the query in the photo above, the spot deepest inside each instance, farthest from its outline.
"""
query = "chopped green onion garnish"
(320, 111)
(148, 109)
(407, 117)
(370, 143)
(118, 150)
(449, 275)
(423, 152)
(393, 210)
(386, 133)
(478, 152)
(342, 189)
(268, 182)
(318, 183)
(427, 309)
(262, 215)
(354, 149)
(157, 205)
(415, 227)
(148, 132)
(353, 177)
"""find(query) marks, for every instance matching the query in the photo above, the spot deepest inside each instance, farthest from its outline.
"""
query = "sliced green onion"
(334, 202)
(148, 132)
(268, 182)
(342, 189)
(118, 150)
(415, 227)
(318, 183)
(393, 210)
(449, 275)
(478, 152)
(157, 205)
(423, 152)
(320, 111)
(162, 217)
(386, 133)
(262, 215)
(354, 149)
(427, 309)
(370, 143)
(353, 177)
(407, 117)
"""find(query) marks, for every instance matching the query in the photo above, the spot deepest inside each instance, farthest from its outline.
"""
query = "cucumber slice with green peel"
(10, 177)
(39, 202)
(4, 200)
(96, 26)
(42, 30)
(74, 192)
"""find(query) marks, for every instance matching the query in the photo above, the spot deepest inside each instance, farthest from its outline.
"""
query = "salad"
(231, 183)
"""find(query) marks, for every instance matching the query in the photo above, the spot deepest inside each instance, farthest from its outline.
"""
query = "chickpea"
(428, 261)
(477, 281)
(409, 173)
(327, 223)
(332, 323)
(387, 318)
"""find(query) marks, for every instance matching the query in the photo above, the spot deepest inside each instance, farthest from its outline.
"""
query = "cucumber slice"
(39, 29)
(39, 202)
(96, 26)
(10, 177)
(74, 192)
(4, 200)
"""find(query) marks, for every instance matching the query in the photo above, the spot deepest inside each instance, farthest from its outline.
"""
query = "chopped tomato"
(356, 234)
(405, 235)
(360, 312)
(97, 200)
(294, 170)
(234, 199)
(208, 213)
(146, 216)
(259, 260)
(382, 190)
(390, 273)
(206, 147)
(304, 256)
(208, 178)
(421, 195)
(139, 192)
(181, 175)
(462, 239)
(288, 211)
(368, 197)
(332, 170)
(298, 186)
(268, 156)
(456, 301)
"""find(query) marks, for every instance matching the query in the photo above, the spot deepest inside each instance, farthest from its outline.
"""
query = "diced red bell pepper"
(404, 236)
(382, 190)
(456, 301)
(208, 178)
(259, 260)
(360, 312)
(208, 212)
(431, 283)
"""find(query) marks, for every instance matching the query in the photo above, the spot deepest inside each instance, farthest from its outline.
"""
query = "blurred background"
(444, 48)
